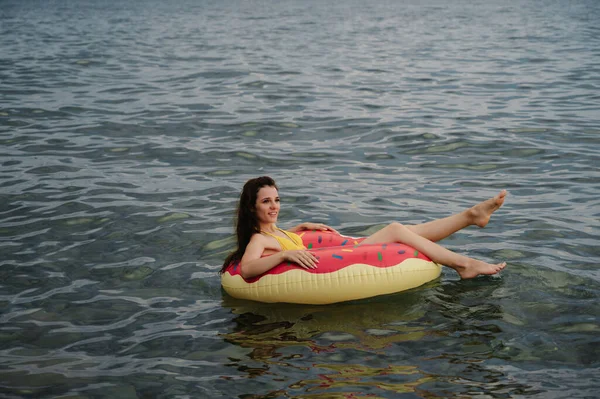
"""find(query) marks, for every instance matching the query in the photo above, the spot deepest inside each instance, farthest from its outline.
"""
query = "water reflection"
(354, 375)
(365, 325)
(332, 347)
(427, 337)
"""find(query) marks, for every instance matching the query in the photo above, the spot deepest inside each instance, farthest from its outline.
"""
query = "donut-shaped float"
(345, 272)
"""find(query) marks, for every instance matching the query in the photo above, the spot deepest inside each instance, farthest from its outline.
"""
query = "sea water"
(127, 129)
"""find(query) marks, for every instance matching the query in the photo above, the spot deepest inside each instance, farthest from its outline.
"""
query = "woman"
(258, 235)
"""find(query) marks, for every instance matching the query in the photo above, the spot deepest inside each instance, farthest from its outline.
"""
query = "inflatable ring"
(345, 272)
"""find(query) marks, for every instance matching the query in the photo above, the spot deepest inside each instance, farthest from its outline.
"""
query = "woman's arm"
(253, 264)
(312, 226)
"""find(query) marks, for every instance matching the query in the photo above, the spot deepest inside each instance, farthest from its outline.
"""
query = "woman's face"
(267, 205)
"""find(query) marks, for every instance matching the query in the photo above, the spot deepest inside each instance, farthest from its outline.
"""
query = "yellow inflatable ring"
(345, 272)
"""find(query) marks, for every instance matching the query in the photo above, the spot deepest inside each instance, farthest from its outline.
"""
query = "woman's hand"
(315, 226)
(302, 258)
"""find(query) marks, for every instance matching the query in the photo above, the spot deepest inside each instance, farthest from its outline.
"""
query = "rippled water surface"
(128, 128)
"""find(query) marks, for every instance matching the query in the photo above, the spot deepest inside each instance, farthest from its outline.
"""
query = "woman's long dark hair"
(246, 223)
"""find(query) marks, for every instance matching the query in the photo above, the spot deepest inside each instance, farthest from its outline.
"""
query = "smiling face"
(267, 206)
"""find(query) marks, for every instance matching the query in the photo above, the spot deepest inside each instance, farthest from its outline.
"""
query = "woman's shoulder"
(261, 241)
(257, 237)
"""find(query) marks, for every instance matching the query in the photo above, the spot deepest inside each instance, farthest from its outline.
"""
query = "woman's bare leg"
(465, 266)
(479, 215)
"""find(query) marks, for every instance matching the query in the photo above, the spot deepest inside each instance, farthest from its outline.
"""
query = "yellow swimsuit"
(292, 242)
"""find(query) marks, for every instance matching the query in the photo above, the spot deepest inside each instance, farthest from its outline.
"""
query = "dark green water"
(128, 128)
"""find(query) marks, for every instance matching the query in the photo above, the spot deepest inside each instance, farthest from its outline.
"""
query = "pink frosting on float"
(335, 252)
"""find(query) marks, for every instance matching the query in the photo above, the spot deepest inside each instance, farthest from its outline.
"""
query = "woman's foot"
(474, 268)
(480, 214)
